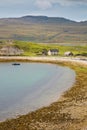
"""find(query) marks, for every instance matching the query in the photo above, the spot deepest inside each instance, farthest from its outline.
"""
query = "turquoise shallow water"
(30, 86)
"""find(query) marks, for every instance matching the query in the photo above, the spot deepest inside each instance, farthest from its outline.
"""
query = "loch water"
(29, 86)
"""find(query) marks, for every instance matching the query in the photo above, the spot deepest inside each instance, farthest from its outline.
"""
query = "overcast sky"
(71, 9)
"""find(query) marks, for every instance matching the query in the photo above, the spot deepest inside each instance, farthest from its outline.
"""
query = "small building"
(44, 52)
(53, 52)
(68, 53)
(10, 51)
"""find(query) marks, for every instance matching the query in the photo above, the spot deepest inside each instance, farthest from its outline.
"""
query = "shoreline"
(43, 59)
(68, 113)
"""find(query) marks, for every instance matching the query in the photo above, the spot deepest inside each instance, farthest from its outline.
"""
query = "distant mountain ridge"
(43, 29)
(47, 19)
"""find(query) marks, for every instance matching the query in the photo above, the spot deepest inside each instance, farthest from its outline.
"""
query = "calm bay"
(30, 86)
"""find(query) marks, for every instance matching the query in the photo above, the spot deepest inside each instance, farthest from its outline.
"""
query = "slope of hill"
(43, 29)
(47, 20)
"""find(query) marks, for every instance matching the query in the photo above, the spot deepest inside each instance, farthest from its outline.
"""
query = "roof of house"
(54, 50)
(68, 52)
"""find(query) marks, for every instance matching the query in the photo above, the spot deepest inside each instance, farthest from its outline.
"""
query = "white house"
(53, 52)
(68, 53)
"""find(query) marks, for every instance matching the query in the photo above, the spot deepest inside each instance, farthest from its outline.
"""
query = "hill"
(43, 29)
(46, 20)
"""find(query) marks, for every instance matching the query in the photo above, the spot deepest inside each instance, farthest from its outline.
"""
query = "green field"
(35, 49)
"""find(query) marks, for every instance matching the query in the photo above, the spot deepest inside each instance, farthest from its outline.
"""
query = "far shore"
(82, 61)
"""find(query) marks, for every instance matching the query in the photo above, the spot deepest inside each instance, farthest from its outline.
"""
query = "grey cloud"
(44, 4)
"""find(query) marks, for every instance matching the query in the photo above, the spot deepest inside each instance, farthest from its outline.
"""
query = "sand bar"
(48, 59)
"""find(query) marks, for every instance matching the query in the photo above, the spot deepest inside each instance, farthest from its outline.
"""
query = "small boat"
(16, 64)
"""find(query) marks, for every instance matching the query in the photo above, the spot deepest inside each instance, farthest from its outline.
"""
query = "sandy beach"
(82, 61)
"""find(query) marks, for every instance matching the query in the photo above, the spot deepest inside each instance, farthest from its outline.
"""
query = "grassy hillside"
(44, 29)
(34, 49)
